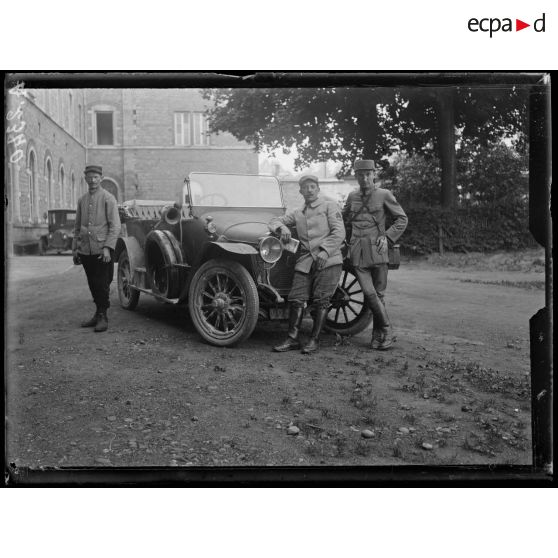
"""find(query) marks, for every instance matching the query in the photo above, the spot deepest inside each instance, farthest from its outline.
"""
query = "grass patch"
(363, 399)
(529, 285)
(363, 448)
(410, 419)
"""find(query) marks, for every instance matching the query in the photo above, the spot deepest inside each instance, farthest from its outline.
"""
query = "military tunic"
(366, 217)
(319, 226)
(97, 222)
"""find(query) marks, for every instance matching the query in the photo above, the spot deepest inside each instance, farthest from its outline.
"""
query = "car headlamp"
(270, 249)
(210, 226)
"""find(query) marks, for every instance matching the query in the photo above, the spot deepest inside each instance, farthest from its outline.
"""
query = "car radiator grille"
(281, 274)
(58, 239)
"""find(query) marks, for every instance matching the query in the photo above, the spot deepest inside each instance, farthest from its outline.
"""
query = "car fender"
(233, 247)
(135, 251)
(214, 249)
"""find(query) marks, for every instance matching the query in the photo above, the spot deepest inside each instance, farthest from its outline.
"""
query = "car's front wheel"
(348, 313)
(127, 295)
(223, 302)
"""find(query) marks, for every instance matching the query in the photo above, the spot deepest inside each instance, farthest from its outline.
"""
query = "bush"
(500, 226)
(492, 214)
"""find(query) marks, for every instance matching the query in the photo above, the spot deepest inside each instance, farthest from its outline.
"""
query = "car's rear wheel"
(223, 302)
(348, 313)
(127, 295)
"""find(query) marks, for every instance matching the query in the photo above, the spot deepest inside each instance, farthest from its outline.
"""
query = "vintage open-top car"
(213, 253)
(60, 231)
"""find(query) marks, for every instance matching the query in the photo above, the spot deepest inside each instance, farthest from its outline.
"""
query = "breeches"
(373, 280)
(319, 286)
(99, 277)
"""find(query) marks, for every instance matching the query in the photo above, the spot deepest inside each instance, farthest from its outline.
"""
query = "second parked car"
(60, 231)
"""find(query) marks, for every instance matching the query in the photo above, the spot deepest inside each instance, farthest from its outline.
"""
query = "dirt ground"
(454, 390)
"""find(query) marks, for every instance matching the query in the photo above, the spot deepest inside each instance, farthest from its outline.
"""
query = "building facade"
(146, 140)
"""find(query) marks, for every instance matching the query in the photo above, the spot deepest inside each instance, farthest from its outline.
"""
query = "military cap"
(305, 177)
(94, 168)
(364, 164)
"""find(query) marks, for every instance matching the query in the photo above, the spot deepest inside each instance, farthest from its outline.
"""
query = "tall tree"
(434, 121)
(343, 123)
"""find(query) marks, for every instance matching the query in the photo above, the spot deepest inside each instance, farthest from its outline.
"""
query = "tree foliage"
(323, 123)
(495, 173)
(344, 123)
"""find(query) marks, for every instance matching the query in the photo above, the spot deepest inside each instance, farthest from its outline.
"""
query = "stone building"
(146, 140)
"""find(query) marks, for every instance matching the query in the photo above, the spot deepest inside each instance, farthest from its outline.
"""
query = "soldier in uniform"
(364, 214)
(320, 229)
(97, 228)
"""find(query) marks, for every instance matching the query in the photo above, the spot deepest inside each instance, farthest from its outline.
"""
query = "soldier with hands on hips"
(320, 230)
(364, 214)
(97, 228)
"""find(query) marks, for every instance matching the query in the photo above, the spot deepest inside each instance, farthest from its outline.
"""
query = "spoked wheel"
(223, 302)
(126, 293)
(348, 313)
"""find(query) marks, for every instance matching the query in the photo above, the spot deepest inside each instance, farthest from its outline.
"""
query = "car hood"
(242, 226)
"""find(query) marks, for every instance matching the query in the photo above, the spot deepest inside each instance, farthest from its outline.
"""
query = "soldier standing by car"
(365, 214)
(320, 229)
(97, 228)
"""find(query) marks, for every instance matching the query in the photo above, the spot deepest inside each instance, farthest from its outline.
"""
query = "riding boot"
(314, 341)
(381, 333)
(292, 342)
(376, 337)
(91, 322)
(387, 339)
(102, 323)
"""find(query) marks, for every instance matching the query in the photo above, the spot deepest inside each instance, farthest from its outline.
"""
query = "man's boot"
(102, 322)
(382, 337)
(376, 337)
(92, 322)
(377, 330)
(292, 342)
(387, 339)
(314, 342)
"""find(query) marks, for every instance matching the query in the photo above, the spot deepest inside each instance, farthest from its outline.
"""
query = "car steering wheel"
(217, 196)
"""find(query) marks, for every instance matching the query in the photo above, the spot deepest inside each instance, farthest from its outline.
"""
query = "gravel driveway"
(454, 390)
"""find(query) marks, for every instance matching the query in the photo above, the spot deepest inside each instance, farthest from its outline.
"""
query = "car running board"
(157, 296)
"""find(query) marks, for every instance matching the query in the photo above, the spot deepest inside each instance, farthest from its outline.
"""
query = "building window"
(50, 193)
(73, 191)
(105, 133)
(62, 187)
(191, 128)
(32, 186)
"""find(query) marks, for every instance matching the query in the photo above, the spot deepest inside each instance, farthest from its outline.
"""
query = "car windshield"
(62, 219)
(234, 190)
